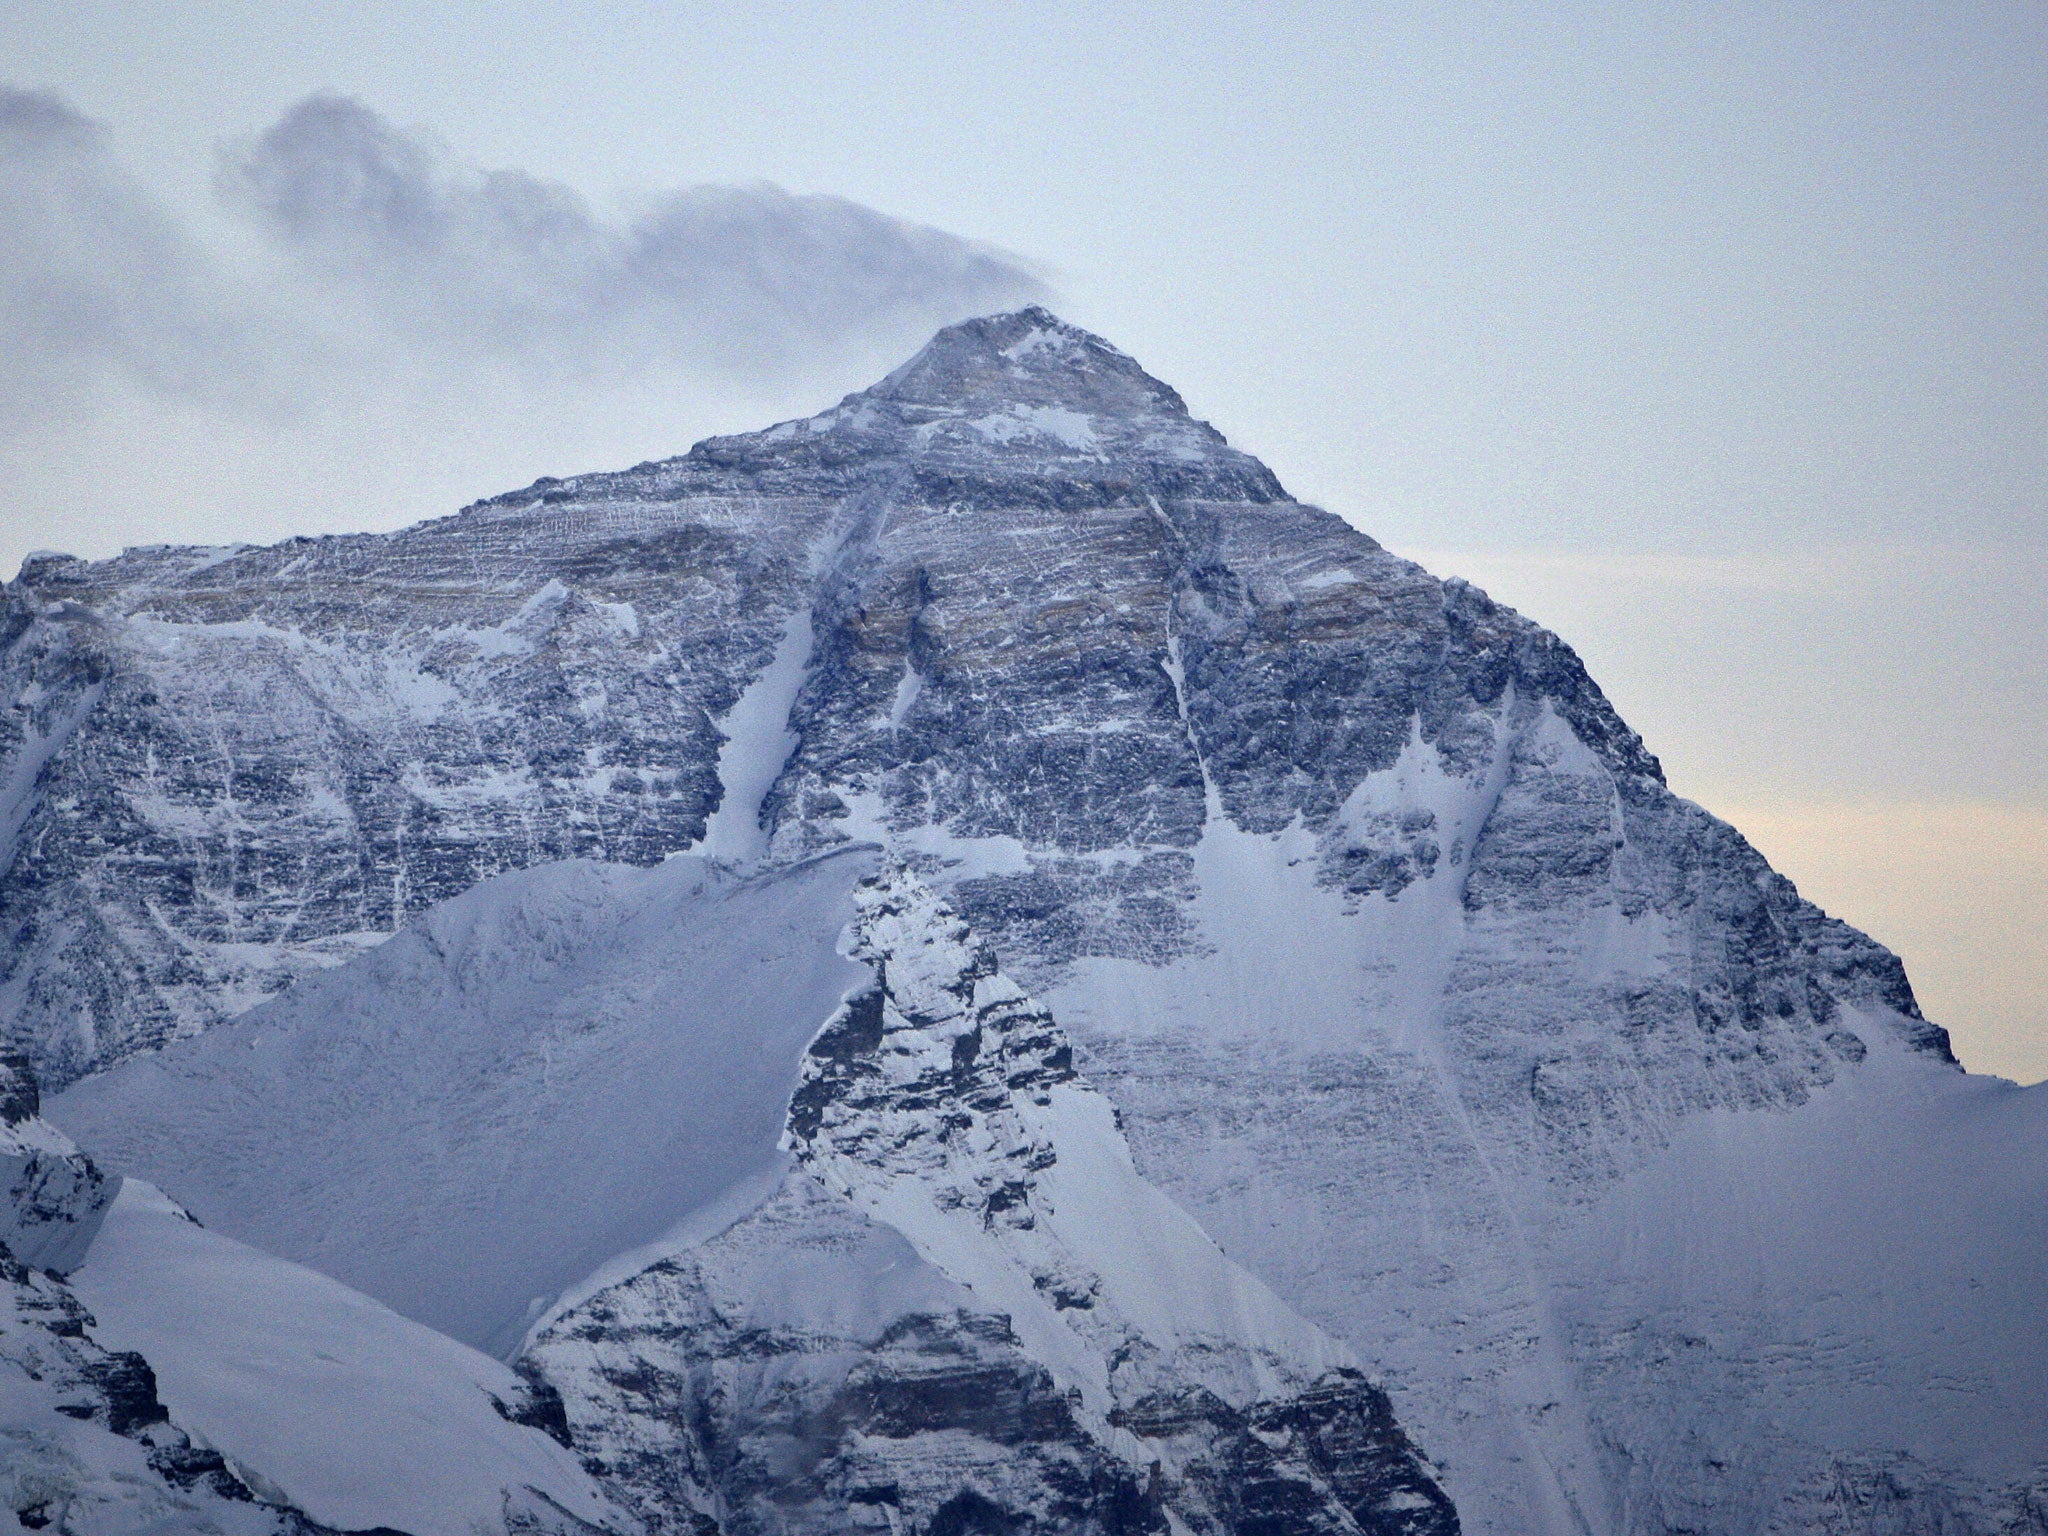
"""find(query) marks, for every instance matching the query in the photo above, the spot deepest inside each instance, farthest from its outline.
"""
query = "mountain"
(966, 963)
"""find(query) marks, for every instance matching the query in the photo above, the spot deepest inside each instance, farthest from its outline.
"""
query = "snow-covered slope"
(1344, 1101)
(162, 1377)
(944, 1103)
(1854, 1296)
(319, 1398)
(1411, 982)
(553, 1069)
(85, 1443)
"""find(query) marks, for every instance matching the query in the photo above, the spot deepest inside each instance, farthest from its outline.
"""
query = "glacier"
(967, 963)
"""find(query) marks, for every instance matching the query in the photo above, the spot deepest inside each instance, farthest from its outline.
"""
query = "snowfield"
(557, 1067)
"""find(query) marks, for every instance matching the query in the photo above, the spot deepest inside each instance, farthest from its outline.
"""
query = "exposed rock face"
(937, 1323)
(231, 769)
(728, 1389)
(1410, 980)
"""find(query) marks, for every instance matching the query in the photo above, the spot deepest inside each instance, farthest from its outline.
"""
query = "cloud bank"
(377, 247)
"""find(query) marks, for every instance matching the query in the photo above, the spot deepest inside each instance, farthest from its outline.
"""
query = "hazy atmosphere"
(1713, 339)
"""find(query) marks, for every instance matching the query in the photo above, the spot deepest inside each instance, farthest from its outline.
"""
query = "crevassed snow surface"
(317, 1395)
(556, 1067)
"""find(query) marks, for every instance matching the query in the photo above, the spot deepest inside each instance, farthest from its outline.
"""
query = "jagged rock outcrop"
(51, 1195)
(962, 1310)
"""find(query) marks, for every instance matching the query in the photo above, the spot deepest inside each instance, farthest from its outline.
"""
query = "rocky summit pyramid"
(964, 964)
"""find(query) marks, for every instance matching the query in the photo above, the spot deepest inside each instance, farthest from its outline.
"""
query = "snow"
(867, 821)
(210, 555)
(1895, 1224)
(1061, 342)
(857, 1287)
(555, 1068)
(1157, 1268)
(314, 1394)
(908, 687)
(1323, 580)
(699, 1225)
(1593, 1262)
(1154, 1279)
(757, 744)
(84, 1478)
(1293, 983)
(624, 617)
(1864, 1270)
(1070, 428)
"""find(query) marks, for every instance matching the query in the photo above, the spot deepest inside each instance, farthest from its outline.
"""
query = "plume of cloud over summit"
(379, 249)
(727, 279)
(362, 330)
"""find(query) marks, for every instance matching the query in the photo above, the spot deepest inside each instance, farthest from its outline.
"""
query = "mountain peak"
(1017, 393)
(1021, 358)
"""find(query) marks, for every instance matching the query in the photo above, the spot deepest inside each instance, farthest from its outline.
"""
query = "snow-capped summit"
(1017, 387)
(1023, 396)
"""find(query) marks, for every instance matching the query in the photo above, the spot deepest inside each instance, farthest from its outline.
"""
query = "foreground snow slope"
(551, 1070)
(85, 1442)
(318, 1397)
(156, 1376)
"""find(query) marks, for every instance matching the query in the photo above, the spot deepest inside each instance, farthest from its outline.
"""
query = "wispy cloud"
(747, 279)
(95, 279)
(382, 248)
(363, 328)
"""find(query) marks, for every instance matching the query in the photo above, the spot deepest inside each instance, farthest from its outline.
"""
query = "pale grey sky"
(1713, 337)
